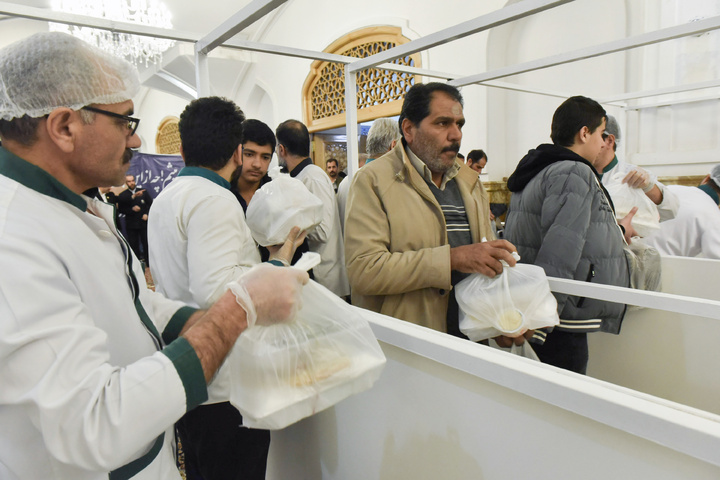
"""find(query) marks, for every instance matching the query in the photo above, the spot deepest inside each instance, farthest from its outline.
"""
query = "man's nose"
(455, 133)
(134, 141)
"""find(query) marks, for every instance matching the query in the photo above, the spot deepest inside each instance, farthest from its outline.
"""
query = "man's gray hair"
(380, 137)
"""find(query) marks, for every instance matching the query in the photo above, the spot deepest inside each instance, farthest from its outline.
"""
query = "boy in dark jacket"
(562, 219)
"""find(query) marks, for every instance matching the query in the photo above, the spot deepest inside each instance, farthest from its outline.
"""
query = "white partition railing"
(448, 408)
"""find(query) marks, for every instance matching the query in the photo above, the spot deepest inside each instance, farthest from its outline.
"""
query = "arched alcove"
(167, 140)
(380, 92)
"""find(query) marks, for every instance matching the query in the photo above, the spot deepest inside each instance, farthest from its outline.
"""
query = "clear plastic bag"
(523, 350)
(280, 205)
(286, 372)
(645, 267)
(517, 300)
(647, 219)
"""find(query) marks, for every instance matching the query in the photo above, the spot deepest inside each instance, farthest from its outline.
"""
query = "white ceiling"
(176, 75)
(187, 15)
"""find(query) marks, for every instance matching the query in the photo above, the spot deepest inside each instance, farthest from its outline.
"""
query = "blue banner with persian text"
(154, 172)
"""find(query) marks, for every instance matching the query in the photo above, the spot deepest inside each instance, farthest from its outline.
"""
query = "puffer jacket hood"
(537, 160)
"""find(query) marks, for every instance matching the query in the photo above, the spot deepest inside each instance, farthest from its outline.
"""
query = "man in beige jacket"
(416, 218)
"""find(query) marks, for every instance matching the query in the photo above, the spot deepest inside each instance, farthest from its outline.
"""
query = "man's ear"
(408, 130)
(237, 156)
(62, 126)
(705, 180)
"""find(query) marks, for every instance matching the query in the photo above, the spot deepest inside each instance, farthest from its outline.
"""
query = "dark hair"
(572, 115)
(331, 160)
(258, 132)
(416, 105)
(476, 155)
(294, 136)
(22, 130)
(210, 131)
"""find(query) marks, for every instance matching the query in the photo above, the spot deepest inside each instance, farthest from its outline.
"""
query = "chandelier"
(135, 48)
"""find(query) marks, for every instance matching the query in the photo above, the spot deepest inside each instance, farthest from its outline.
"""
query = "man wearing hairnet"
(95, 368)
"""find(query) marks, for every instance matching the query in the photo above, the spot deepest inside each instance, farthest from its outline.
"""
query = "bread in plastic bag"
(278, 206)
(517, 300)
(647, 219)
(286, 372)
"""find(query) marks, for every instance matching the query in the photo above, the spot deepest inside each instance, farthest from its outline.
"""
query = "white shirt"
(326, 239)
(84, 385)
(198, 239)
(694, 231)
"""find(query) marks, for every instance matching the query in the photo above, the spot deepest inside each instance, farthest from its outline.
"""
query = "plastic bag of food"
(285, 372)
(647, 219)
(511, 303)
(280, 205)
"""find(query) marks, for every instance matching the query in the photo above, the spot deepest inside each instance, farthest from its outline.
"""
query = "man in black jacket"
(135, 203)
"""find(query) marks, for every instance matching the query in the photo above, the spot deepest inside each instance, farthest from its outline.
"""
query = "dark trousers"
(568, 350)
(137, 238)
(217, 447)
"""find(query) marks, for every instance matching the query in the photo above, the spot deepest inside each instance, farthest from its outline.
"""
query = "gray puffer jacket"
(560, 218)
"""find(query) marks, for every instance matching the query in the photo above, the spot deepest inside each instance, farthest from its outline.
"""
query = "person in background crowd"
(135, 203)
(382, 137)
(293, 149)
(258, 146)
(477, 159)
(331, 166)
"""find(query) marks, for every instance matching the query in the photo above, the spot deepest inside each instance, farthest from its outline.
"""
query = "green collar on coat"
(35, 178)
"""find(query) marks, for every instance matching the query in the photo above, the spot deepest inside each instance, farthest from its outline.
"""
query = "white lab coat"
(84, 386)
(198, 240)
(327, 238)
(694, 231)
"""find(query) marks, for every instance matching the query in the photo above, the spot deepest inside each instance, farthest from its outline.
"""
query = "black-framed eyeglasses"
(132, 124)
(605, 135)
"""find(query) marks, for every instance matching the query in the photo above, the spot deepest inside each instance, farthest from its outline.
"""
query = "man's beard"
(433, 160)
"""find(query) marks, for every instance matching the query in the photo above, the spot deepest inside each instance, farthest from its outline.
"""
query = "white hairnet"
(50, 70)
(715, 175)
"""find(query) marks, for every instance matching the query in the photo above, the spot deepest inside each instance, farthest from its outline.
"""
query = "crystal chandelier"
(135, 48)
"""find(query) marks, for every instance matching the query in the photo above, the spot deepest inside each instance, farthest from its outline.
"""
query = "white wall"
(446, 408)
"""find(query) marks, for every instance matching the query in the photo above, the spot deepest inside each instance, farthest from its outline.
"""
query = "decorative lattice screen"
(379, 92)
(375, 86)
(167, 140)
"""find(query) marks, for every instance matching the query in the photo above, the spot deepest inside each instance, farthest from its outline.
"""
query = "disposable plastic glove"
(639, 178)
(285, 252)
(269, 294)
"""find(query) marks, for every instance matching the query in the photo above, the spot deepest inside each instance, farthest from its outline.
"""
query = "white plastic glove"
(269, 294)
(639, 178)
(285, 252)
